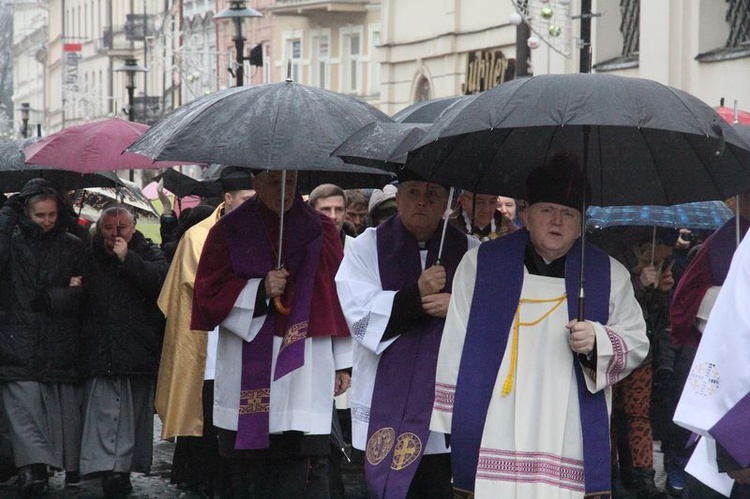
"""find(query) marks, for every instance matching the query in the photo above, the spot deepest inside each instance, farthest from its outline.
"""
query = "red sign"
(72, 47)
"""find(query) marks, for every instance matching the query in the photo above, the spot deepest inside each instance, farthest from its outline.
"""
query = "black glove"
(41, 303)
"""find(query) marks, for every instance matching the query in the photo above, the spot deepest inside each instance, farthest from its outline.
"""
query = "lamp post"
(130, 68)
(25, 109)
(237, 12)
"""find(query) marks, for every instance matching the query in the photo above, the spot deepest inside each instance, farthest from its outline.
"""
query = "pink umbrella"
(93, 147)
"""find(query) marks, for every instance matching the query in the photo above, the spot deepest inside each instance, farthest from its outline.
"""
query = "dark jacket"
(39, 327)
(123, 326)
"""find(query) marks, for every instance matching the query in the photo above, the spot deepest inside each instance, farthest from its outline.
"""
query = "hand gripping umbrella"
(640, 142)
(275, 126)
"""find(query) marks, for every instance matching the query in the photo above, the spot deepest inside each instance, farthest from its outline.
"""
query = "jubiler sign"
(486, 69)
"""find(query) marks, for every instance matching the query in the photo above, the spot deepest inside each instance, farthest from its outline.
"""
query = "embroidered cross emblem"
(254, 401)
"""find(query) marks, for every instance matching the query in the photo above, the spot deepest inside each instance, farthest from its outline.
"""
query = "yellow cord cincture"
(508, 384)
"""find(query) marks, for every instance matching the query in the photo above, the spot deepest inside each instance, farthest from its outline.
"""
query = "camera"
(686, 236)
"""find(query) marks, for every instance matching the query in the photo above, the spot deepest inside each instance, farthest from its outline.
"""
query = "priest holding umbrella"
(513, 351)
(284, 347)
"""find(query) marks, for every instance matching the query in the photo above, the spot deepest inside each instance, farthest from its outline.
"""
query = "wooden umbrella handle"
(280, 307)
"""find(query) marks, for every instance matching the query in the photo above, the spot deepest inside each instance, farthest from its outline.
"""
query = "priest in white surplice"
(715, 402)
(532, 420)
(394, 296)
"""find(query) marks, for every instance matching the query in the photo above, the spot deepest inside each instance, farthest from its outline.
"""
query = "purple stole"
(723, 244)
(500, 274)
(405, 382)
(251, 234)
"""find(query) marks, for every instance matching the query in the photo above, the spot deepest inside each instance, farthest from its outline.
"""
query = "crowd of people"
(454, 350)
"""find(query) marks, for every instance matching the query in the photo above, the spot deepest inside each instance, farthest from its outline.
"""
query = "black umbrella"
(182, 185)
(280, 126)
(640, 142)
(427, 111)
(14, 173)
(275, 126)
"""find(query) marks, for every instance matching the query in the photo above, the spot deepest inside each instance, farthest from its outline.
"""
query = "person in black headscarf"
(41, 265)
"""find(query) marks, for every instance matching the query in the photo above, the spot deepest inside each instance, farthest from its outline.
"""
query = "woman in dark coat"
(40, 266)
(121, 347)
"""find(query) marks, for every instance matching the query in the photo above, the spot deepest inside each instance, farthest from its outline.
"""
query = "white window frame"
(289, 38)
(321, 64)
(350, 63)
(373, 65)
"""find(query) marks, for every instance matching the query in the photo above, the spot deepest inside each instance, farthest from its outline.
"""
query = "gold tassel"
(508, 384)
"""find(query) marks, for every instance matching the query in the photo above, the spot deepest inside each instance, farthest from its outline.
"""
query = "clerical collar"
(536, 265)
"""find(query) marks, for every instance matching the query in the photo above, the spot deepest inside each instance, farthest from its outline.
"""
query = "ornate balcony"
(308, 7)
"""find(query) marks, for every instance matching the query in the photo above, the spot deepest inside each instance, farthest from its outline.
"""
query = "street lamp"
(130, 68)
(25, 110)
(237, 12)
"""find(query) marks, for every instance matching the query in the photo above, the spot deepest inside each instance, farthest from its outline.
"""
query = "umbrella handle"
(280, 307)
(445, 225)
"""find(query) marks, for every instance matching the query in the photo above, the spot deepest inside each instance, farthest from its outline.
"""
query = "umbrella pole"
(582, 276)
(279, 262)
(445, 225)
(653, 246)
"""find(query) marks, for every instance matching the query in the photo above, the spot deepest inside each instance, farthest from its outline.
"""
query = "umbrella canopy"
(381, 145)
(282, 126)
(728, 114)
(386, 145)
(92, 147)
(427, 111)
(14, 173)
(94, 200)
(702, 215)
(183, 185)
(640, 142)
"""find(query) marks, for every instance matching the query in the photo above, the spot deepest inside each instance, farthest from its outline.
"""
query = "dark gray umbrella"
(427, 111)
(640, 142)
(14, 173)
(381, 145)
(279, 126)
(276, 126)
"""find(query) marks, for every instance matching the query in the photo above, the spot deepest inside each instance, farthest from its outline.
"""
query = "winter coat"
(39, 321)
(123, 327)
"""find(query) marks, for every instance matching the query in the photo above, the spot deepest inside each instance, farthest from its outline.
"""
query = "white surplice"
(720, 375)
(300, 401)
(532, 440)
(367, 309)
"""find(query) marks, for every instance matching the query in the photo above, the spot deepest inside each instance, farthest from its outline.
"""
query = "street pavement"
(156, 484)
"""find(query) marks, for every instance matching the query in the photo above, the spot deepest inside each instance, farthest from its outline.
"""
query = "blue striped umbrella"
(702, 215)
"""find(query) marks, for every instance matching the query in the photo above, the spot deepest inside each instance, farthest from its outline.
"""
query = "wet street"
(156, 485)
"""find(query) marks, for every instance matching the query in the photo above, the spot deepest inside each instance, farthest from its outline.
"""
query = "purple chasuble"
(405, 382)
(500, 272)
(252, 234)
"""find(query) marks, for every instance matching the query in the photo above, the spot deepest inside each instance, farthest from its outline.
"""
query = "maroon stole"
(405, 382)
(241, 246)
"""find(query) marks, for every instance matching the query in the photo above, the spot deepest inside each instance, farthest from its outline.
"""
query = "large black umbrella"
(14, 173)
(280, 126)
(640, 142)
(275, 126)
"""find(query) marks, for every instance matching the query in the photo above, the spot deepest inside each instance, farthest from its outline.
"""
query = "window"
(738, 17)
(630, 26)
(373, 68)
(423, 90)
(294, 52)
(351, 62)
(320, 66)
